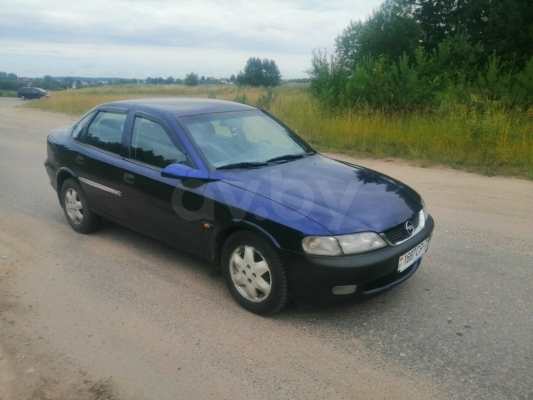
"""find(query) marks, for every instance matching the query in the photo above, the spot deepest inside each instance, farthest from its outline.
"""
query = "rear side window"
(151, 145)
(78, 129)
(105, 131)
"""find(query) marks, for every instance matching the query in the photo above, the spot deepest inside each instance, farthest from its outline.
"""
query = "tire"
(254, 273)
(76, 208)
(22, 98)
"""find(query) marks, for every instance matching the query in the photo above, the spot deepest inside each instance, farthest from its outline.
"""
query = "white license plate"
(412, 255)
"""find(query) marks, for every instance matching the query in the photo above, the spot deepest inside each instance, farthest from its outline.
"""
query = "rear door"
(148, 197)
(100, 159)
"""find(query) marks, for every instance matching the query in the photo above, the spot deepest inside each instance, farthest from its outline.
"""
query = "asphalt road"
(116, 315)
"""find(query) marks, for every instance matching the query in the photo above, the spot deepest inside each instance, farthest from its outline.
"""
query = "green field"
(8, 93)
(493, 141)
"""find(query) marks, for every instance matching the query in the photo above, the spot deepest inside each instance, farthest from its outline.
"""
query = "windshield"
(242, 139)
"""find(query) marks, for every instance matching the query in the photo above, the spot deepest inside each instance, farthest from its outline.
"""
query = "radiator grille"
(398, 233)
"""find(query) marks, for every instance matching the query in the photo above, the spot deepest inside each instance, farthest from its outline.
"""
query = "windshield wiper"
(245, 164)
(288, 157)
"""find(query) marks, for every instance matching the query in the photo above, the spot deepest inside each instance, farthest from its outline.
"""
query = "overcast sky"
(140, 38)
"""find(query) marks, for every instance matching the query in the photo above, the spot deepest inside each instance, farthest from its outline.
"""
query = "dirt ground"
(116, 315)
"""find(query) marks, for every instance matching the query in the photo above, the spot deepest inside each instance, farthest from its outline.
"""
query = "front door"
(148, 197)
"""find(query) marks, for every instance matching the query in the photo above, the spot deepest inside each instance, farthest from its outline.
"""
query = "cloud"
(203, 31)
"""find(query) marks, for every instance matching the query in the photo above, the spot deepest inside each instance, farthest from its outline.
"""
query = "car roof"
(180, 106)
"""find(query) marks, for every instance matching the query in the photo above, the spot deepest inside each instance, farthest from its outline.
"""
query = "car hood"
(343, 198)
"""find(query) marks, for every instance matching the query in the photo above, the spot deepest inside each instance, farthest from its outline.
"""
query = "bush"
(240, 98)
(523, 85)
(423, 81)
(265, 100)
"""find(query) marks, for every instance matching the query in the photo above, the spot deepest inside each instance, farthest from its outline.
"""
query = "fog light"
(347, 289)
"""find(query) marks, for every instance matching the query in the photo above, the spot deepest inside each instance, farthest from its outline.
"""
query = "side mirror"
(176, 171)
(180, 171)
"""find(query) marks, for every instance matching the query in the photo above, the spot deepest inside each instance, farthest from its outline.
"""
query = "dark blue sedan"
(233, 185)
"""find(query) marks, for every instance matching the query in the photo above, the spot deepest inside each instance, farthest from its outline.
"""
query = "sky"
(141, 38)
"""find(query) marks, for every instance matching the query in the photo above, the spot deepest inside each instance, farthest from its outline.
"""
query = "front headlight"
(345, 244)
(360, 242)
(424, 208)
(322, 245)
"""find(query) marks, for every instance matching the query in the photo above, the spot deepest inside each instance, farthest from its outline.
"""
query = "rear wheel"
(76, 208)
(254, 274)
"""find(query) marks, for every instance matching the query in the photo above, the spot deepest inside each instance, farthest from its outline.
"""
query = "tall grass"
(8, 93)
(492, 141)
(77, 102)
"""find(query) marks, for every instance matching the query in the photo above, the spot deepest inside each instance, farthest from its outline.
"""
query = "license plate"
(412, 255)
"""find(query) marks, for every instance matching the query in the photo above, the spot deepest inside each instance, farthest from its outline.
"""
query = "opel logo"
(409, 228)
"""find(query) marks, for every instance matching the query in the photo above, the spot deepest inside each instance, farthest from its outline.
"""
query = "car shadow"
(324, 311)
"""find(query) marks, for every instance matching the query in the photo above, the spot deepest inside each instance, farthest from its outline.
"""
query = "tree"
(68, 81)
(169, 80)
(502, 26)
(259, 73)
(10, 81)
(232, 78)
(272, 77)
(191, 79)
(390, 31)
(437, 20)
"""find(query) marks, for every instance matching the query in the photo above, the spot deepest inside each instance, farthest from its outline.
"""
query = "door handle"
(129, 178)
(80, 159)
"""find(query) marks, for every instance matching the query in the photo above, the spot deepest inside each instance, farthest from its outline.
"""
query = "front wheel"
(254, 274)
(76, 208)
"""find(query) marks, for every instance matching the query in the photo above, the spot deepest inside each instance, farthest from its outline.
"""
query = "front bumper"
(314, 277)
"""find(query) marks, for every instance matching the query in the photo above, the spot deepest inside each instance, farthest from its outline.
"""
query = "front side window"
(151, 145)
(105, 131)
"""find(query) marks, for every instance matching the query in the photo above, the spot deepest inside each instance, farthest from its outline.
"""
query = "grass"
(8, 93)
(493, 142)
(77, 102)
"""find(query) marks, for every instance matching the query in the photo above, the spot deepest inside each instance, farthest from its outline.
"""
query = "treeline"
(10, 81)
(415, 53)
(191, 79)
